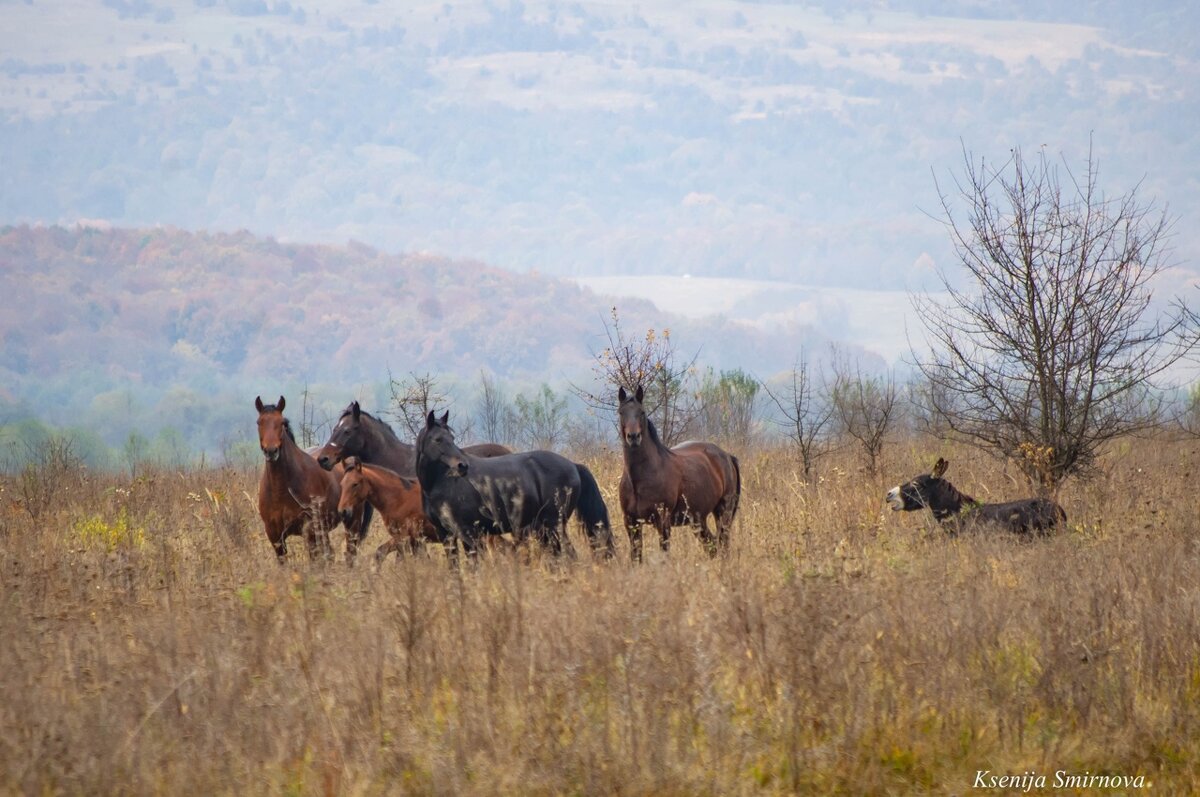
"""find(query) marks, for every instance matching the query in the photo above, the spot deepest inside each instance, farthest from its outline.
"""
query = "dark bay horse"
(533, 493)
(360, 434)
(398, 499)
(930, 491)
(295, 494)
(673, 486)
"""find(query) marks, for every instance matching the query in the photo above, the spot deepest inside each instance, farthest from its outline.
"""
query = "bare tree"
(492, 411)
(1187, 411)
(413, 398)
(654, 363)
(924, 397)
(1053, 346)
(805, 414)
(308, 421)
(864, 407)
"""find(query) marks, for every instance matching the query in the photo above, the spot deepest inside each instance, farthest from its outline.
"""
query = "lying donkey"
(932, 492)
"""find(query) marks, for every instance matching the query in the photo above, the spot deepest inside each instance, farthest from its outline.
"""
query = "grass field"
(152, 644)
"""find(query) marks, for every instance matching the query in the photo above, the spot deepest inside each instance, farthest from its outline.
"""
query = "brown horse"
(397, 498)
(295, 494)
(673, 486)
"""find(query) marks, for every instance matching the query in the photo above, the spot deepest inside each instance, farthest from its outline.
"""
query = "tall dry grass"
(151, 643)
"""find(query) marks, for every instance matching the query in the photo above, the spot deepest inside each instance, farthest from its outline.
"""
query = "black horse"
(932, 492)
(533, 493)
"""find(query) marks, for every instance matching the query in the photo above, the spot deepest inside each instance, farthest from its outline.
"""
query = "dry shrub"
(838, 648)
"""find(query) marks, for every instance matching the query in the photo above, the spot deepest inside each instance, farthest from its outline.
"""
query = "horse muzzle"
(347, 516)
(633, 439)
(271, 454)
(458, 468)
(327, 462)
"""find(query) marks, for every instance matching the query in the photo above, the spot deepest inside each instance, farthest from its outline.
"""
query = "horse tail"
(593, 513)
(737, 476)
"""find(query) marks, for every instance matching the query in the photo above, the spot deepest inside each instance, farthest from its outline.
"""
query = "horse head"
(353, 488)
(927, 491)
(435, 444)
(347, 436)
(271, 428)
(631, 415)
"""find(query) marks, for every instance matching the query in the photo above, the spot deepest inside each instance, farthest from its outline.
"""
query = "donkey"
(930, 491)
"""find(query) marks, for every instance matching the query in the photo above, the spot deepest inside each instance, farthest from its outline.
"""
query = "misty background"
(191, 189)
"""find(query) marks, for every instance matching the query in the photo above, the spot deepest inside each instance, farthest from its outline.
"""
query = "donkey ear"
(940, 468)
(281, 404)
(622, 396)
(355, 410)
(641, 394)
(258, 405)
(430, 420)
(446, 418)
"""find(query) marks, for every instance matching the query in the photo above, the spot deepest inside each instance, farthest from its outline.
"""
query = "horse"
(360, 434)
(295, 494)
(533, 493)
(930, 491)
(398, 499)
(673, 486)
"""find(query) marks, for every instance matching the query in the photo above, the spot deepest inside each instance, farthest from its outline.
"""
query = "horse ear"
(940, 468)
(355, 410)
(641, 394)
(430, 420)
(622, 396)
(281, 404)
(446, 418)
(258, 405)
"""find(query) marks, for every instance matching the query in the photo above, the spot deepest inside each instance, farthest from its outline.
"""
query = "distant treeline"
(121, 330)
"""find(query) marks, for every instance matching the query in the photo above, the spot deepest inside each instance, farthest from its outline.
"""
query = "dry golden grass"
(152, 644)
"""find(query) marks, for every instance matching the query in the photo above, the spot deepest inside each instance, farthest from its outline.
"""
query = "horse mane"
(384, 424)
(653, 432)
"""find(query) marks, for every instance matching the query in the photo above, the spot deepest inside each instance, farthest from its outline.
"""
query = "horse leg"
(706, 536)
(633, 528)
(356, 530)
(470, 544)
(724, 522)
(276, 536)
(322, 525)
(295, 528)
(664, 531)
(383, 550)
(450, 545)
(311, 539)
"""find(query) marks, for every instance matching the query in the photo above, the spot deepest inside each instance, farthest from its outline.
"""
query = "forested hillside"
(111, 328)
